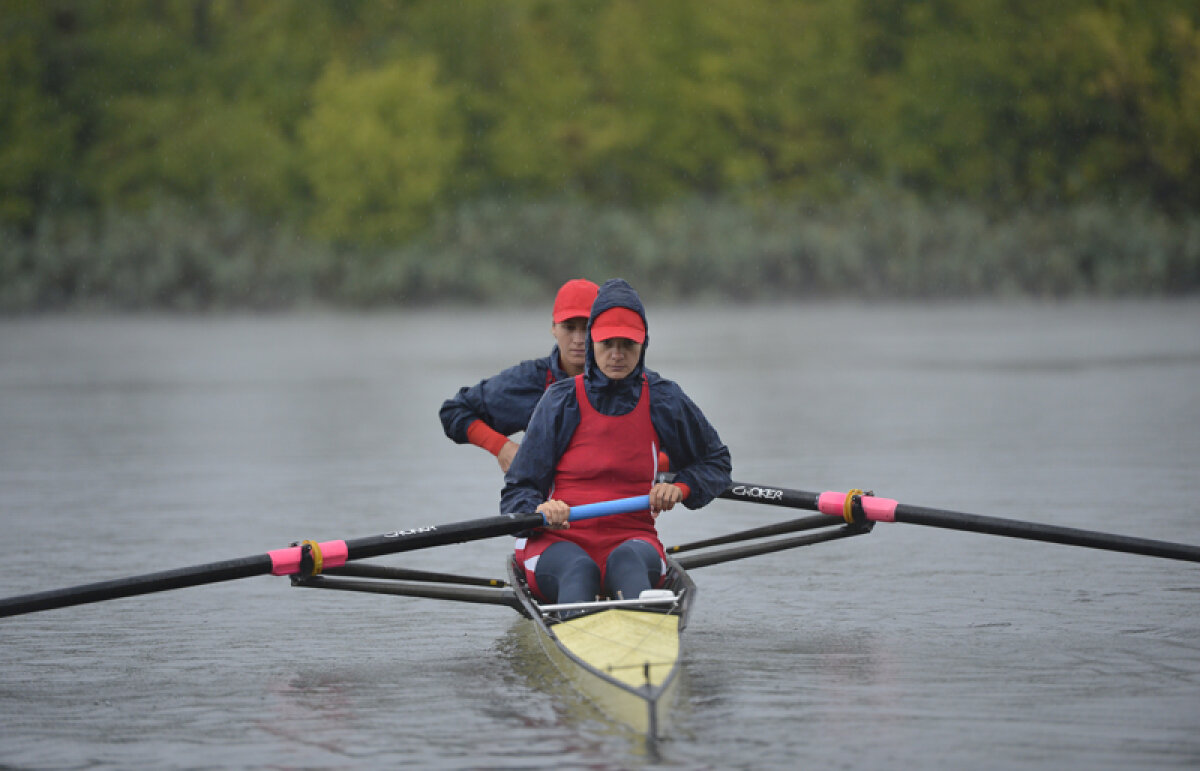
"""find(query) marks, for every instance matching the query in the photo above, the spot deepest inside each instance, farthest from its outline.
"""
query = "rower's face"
(571, 336)
(617, 356)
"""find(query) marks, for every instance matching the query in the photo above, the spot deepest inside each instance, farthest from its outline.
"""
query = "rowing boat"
(623, 654)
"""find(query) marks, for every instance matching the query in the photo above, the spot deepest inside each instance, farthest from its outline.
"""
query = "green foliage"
(364, 128)
(380, 148)
(1015, 101)
(35, 126)
(200, 148)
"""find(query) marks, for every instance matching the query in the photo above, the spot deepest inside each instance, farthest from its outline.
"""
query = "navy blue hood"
(615, 293)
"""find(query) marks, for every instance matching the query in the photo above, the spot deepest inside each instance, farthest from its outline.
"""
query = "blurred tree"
(37, 130)
(380, 147)
(1134, 96)
(802, 95)
(362, 119)
(1015, 101)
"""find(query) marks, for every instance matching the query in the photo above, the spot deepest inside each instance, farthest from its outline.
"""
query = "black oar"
(852, 505)
(308, 558)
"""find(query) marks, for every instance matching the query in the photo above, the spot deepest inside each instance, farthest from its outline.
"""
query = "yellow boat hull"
(625, 661)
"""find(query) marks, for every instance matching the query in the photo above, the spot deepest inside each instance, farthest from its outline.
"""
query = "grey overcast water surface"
(137, 444)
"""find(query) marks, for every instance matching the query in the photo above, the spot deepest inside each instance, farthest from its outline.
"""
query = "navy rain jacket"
(698, 457)
(504, 401)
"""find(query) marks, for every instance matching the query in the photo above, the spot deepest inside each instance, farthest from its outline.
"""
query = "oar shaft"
(278, 562)
(888, 510)
(179, 578)
(441, 535)
(437, 535)
(771, 495)
(1037, 531)
(288, 561)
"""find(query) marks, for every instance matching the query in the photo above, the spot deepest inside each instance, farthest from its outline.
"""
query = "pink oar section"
(286, 562)
(876, 509)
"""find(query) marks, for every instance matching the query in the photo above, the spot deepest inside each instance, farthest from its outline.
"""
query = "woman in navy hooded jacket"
(598, 437)
(486, 413)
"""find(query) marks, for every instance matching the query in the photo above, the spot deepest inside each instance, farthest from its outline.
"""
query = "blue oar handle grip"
(605, 508)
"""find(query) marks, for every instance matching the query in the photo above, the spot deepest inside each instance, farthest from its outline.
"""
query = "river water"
(132, 445)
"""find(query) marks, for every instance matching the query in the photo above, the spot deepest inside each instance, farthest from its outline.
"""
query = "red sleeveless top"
(608, 457)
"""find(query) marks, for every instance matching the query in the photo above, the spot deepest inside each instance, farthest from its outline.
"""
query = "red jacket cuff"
(482, 435)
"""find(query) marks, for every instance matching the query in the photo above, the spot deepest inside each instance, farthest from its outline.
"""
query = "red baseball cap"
(574, 299)
(619, 322)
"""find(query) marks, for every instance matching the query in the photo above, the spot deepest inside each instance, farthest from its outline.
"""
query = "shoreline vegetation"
(201, 155)
(877, 244)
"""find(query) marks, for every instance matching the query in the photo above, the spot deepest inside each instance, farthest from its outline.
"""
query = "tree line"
(355, 151)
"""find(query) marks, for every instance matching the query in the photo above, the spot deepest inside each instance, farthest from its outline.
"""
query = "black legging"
(565, 572)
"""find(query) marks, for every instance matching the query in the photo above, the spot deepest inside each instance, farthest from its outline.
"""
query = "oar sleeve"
(329, 554)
